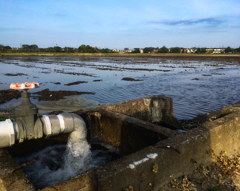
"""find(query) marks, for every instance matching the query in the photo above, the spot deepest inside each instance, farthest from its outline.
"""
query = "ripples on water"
(173, 78)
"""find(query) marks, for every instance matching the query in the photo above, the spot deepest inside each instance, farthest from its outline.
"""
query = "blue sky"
(120, 24)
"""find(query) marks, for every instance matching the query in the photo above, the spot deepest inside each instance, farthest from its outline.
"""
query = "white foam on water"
(59, 163)
(78, 157)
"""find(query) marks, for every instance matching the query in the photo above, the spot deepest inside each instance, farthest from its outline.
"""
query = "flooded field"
(196, 86)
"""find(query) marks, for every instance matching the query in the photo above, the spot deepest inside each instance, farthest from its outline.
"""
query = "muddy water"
(196, 86)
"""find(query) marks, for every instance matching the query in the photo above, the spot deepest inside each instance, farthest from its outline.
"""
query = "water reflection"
(195, 86)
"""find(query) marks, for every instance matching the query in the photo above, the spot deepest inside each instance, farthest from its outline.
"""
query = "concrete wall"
(126, 133)
(154, 109)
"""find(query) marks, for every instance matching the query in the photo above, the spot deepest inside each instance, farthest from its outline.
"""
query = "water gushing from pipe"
(57, 163)
(77, 157)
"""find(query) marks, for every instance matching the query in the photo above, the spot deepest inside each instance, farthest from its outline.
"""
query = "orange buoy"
(24, 86)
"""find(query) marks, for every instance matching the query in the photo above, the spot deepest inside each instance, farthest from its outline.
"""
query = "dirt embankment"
(219, 57)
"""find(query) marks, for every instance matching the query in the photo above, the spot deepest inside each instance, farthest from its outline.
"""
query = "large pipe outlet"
(49, 125)
(64, 123)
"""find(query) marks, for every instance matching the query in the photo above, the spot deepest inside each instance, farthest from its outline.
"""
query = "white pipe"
(46, 126)
(61, 120)
(52, 125)
(8, 130)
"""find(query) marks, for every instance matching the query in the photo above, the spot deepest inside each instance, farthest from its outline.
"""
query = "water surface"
(196, 86)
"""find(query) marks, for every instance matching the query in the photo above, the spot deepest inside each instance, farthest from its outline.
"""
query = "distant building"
(191, 50)
(115, 50)
(218, 50)
(183, 50)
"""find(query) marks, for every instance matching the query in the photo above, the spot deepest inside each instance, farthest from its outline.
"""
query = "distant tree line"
(201, 51)
(5, 48)
(164, 49)
(25, 48)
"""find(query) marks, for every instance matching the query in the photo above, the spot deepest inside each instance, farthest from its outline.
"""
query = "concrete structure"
(145, 131)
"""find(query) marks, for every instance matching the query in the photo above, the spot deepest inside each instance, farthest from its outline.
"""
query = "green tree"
(201, 51)
(164, 49)
(1, 48)
(146, 50)
(86, 49)
(236, 50)
(6, 48)
(29, 48)
(198, 51)
(42, 49)
(89, 49)
(105, 50)
(175, 50)
(136, 50)
(69, 50)
(57, 49)
(81, 48)
(26, 48)
(228, 49)
(33, 47)
(49, 49)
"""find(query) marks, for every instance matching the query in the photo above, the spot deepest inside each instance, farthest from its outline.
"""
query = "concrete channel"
(146, 131)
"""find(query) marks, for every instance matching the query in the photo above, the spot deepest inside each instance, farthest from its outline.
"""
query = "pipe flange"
(46, 126)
